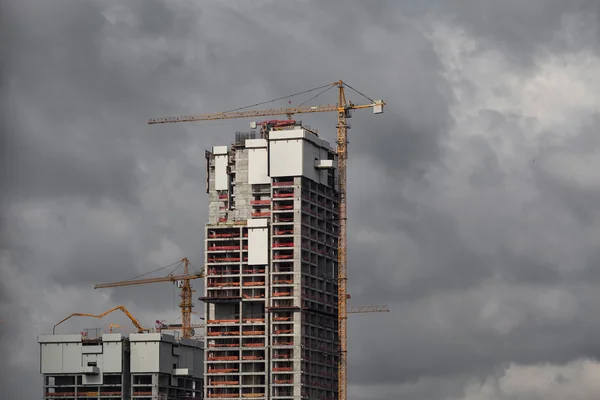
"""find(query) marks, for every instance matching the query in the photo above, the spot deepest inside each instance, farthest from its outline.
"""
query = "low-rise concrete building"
(143, 366)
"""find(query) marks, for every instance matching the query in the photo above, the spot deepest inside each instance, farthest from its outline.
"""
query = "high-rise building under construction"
(271, 266)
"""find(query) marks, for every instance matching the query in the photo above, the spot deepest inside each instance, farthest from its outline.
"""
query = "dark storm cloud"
(570, 190)
(95, 195)
(92, 258)
(522, 29)
(53, 148)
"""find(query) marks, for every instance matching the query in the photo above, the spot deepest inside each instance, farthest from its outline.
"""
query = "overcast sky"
(474, 200)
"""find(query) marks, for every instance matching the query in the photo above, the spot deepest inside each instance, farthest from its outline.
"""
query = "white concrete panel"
(112, 357)
(221, 181)
(71, 357)
(285, 157)
(258, 244)
(151, 337)
(295, 134)
(51, 358)
(91, 349)
(256, 143)
(298, 153)
(324, 164)
(145, 357)
(257, 223)
(182, 372)
(257, 166)
(111, 337)
(219, 150)
(66, 338)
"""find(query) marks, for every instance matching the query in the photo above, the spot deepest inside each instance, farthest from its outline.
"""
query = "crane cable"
(151, 272)
(327, 87)
(363, 95)
(280, 98)
(315, 96)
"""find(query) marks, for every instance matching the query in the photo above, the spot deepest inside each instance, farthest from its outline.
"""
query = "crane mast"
(342, 153)
(186, 302)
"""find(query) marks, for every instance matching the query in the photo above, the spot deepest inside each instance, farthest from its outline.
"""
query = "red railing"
(217, 248)
(260, 202)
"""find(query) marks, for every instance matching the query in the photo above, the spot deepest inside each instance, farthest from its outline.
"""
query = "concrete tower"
(271, 266)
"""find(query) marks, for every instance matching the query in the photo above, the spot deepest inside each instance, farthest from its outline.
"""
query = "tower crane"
(183, 281)
(367, 309)
(343, 109)
(122, 308)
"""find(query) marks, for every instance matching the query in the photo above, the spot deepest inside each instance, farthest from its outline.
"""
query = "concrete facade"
(144, 366)
(271, 256)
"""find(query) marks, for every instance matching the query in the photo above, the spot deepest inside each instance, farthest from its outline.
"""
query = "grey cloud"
(466, 295)
(93, 259)
(522, 30)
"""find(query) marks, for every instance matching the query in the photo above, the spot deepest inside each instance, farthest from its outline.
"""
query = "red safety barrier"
(224, 259)
(260, 202)
(217, 248)
(283, 207)
(223, 235)
(283, 244)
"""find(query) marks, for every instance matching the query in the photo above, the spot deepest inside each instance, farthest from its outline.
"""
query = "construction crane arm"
(122, 308)
(170, 278)
(261, 113)
(367, 309)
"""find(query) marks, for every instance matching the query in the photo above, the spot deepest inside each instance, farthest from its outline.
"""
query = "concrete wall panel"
(112, 357)
(221, 180)
(258, 243)
(51, 358)
(144, 357)
(71, 357)
(257, 166)
(285, 157)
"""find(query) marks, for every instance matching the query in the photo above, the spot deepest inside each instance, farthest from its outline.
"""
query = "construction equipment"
(122, 308)
(343, 109)
(367, 309)
(183, 282)
(112, 326)
(163, 326)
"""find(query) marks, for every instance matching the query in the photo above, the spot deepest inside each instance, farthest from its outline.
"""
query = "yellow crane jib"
(122, 308)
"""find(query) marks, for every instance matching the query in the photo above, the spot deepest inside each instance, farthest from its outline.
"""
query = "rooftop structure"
(143, 366)
(271, 290)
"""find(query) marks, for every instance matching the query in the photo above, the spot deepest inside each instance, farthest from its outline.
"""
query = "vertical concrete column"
(155, 383)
